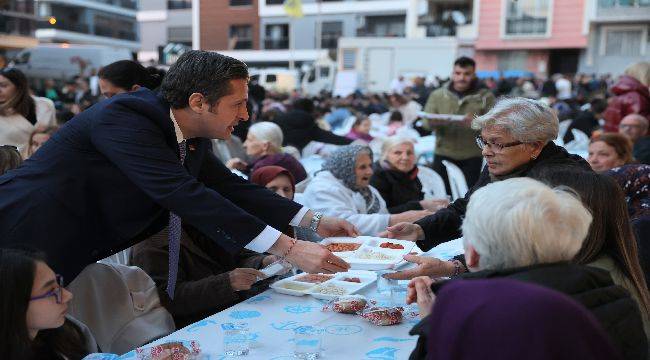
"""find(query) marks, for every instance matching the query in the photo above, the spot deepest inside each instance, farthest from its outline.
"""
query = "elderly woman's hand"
(419, 291)
(404, 231)
(426, 266)
(434, 204)
(237, 164)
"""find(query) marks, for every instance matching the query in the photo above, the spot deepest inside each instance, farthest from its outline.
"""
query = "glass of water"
(398, 296)
(385, 285)
(308, 342)
(235, 339)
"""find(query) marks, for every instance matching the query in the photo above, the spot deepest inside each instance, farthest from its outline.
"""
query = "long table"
(272, 317)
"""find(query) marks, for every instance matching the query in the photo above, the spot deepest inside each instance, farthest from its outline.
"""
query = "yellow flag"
(293, 8)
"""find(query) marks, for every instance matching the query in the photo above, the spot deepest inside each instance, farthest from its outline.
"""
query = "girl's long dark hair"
(17, 272)
(22, 102)
(127, 73)
(610, 232)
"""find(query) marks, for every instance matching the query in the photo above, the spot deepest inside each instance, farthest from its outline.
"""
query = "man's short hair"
(203, 72)
(465, 62)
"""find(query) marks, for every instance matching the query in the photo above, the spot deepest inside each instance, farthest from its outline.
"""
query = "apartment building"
(165, 29)
(94, 22)
(18, 22)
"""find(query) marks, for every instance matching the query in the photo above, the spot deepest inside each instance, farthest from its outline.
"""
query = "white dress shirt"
(262, 242)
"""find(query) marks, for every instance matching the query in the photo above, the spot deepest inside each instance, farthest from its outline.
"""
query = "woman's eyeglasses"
(56, 292)
(496, 147)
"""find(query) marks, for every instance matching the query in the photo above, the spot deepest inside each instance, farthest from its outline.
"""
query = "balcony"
(622, 10)
(278, 43)
(67, 26)
(179, 4)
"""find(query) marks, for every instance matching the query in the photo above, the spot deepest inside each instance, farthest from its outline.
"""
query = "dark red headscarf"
(266, 174)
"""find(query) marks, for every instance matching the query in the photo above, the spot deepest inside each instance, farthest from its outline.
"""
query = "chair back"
(433, 186)
(457, 181)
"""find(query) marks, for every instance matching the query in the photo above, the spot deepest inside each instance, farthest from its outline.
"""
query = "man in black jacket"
(300, 128)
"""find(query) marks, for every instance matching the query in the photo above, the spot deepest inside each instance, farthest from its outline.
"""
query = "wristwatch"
(315, 221)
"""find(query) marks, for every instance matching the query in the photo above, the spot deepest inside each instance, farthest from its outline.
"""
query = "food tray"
(365, 277)
(370, 255)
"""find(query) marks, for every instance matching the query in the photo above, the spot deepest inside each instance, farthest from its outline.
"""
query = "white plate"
(278, 287)
(371, 243)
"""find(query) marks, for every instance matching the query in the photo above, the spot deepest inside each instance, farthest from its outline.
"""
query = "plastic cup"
(385, 285)
(308, 342)
(235, 339)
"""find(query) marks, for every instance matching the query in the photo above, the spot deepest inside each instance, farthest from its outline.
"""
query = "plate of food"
(325, 286)
(373, 253)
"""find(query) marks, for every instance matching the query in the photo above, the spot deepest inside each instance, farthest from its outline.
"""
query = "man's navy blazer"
(108, 178)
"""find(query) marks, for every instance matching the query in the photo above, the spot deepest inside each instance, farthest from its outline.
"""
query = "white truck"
(377, 61)
(64, 61)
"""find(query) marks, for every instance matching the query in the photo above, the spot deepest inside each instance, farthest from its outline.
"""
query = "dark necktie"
(174, 231)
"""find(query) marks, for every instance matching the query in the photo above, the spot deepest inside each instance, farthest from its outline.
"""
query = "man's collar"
(179, 134)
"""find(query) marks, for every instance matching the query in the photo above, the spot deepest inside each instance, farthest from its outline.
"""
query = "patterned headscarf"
(634, 179)
(341, 164)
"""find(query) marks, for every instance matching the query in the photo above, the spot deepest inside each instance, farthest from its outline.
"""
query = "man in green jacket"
(455, 140)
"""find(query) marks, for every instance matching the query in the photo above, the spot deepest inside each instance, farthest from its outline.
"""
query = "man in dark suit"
(131, 165)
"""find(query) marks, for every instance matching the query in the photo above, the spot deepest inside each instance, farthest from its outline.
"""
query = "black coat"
(108, 179)
(398, 189)
(612, 305)
(445, 224)
(300, 128)
(585, 121)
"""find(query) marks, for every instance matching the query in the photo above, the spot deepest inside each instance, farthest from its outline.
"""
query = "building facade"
(539, 36)
(619, 35)
(93, 22)
(229, 25)
(18, 22)
(164, 26)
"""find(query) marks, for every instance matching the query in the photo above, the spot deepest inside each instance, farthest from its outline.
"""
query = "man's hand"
(426, 266)
(404, 231)
(331, 226)
(243, 278)
(315, 258)
(419, 291)
(408, 216)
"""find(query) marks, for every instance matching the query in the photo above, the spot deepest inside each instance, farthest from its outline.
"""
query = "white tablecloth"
(272, 318)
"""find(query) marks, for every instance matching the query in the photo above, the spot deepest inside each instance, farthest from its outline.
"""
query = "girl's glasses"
(56, 292)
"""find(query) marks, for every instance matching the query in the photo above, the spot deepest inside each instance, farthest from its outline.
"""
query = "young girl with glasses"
(33, 306)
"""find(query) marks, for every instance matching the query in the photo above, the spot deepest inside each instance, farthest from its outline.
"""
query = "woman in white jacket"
(21, 113)
(342, 189)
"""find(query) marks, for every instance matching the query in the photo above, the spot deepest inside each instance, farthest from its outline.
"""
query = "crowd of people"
(207, 178)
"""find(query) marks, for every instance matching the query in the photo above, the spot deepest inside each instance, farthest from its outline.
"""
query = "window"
(622, 3)
(179, 4)
(241, 2)
(349, 59)
(622, 42)
(274, 2)
(331, 31)
(276, 36)
(527, 17)
(241, 37)
(271, 78)
(390, 25)
(179, 34)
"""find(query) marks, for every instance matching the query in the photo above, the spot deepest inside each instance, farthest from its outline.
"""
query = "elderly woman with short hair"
(264, 146)
(536, 232)
(396, 177)
(516, 139)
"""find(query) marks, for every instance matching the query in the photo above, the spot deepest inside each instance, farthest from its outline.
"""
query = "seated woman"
(516, 138)
(608, 151)
(209, 278)
(395, 176)
(511, 320)
(610, 244)
(264, 146)
(507, 234)
(33, 306)
(38, 137)
(126, 76)
(342, 189)
(360, 130)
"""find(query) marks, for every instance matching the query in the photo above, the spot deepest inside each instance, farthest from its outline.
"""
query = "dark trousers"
(471, 169)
